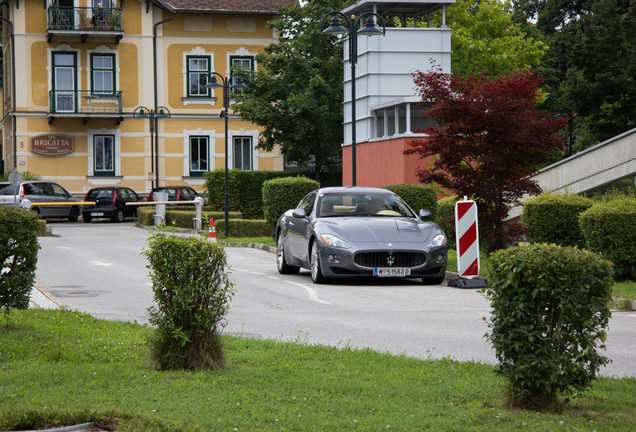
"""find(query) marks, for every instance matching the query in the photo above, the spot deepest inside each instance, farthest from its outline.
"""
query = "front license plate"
(391, 271)
(97, 214)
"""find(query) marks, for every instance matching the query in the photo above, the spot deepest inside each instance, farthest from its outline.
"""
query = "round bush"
(609, 229)
(551, 218)
(550, 308)
(282, 194)
(19, 251)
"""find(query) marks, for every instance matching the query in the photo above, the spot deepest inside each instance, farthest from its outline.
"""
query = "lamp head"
(213, 83)
(335, 28)
(371, 28)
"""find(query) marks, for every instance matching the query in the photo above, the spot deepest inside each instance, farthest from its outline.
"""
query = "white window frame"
(187, 100)
(211, 135)
(90, 136)
(242, 132)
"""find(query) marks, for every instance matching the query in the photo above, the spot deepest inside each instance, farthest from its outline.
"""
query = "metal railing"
(83, 19)
(84, 102)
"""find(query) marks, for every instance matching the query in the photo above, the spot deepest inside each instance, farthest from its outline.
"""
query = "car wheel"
(281, 262)
(433, 280)
(73, 215)
(87, 218)
(119, 216)
(316, 270)
(36, 210)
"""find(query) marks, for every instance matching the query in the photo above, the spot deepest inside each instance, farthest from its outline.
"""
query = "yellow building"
(112, 92)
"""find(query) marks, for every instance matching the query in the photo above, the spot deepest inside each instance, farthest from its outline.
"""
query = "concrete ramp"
(596, 166)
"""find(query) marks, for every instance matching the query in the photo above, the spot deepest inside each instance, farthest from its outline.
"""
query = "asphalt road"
(98, 268)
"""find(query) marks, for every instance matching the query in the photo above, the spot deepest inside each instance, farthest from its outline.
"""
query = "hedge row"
(245, 188)
(554, 218)
(184, 219)
(607, 228)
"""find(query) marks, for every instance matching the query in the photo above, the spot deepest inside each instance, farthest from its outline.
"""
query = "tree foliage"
(590, 63)
(296, 95)
(489, 138)
(486, 41)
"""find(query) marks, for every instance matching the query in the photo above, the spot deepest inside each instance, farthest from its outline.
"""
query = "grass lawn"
(65, 367)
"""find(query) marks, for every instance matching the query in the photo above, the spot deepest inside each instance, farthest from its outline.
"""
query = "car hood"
(378, 229)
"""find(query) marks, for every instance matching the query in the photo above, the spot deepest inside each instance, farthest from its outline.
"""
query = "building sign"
(52, 145)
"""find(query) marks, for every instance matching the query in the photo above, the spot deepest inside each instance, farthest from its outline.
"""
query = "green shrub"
(609, 229)
(280, 195)
(192, 293)
(180, 217)
(551, 218)
(19, 246)
(245, 188)
(550, 306)
(240, 228)
(417, 197)
(446, 218)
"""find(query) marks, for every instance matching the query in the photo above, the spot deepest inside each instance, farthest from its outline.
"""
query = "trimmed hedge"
(417, 197)
(446, 218)
(19, 246)
(184, 219)
(550, 308)
(280, 195)
(609, 229)
(552, 218)
(245, 188)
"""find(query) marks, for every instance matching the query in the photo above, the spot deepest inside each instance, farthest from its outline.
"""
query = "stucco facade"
(82, 72)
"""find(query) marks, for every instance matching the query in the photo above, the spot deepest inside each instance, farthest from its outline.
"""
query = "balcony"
(85, 104)
(84, 22)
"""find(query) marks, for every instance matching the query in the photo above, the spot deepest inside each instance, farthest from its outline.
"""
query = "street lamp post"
(370, 29)
(213, 82)
(153, 115)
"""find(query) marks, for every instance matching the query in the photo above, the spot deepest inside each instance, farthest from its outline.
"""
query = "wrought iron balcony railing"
(83, 20)
(85, 103)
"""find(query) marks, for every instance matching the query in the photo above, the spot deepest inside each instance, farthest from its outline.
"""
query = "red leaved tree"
(489, 137)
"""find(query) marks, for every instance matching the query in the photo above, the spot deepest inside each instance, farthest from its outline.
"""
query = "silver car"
(38, 191)
(342, 232)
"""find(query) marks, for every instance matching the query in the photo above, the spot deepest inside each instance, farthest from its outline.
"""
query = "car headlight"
(438, 241)
(332, 240)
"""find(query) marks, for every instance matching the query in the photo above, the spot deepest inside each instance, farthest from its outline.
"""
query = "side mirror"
(299, 213)
(424, 214)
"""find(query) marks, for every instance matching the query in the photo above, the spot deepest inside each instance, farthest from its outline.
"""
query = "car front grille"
(390, 259)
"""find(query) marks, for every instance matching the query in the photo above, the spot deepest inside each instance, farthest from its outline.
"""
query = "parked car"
(175, 193)
(42, 192)
(110, 202)
(342, 232)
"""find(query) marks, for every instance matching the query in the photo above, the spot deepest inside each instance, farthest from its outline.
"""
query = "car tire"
(36, 210)
(87, 218)
(281, 262)
(433, 280)
(316, 269)
(119, 216)
(73, 216)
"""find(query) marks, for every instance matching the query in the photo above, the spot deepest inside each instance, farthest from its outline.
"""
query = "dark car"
(175, 193)
(110, 202)
(46, 192)
(342, 232)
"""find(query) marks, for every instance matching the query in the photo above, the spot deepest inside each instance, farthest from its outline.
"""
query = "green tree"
(591, 62)
(485, 41)
(296, 95)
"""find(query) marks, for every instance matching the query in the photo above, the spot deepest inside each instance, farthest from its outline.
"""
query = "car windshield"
(362, 205)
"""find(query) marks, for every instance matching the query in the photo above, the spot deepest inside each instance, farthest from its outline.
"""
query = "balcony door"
(64, 81)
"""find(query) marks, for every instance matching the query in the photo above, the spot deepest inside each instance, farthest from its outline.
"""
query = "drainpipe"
(13, 95)
(154, 118)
